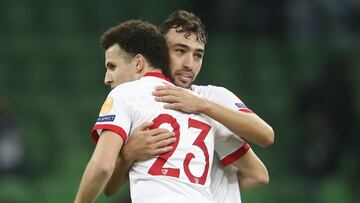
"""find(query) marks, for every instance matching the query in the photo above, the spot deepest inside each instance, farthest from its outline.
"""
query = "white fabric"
(224, 182)
(130, 108)
(133, 104)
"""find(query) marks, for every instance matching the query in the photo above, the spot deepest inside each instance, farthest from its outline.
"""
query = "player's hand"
(180, 99)
(144, 144)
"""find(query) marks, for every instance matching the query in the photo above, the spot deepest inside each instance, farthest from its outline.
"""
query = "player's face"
(186, 55)
(118, 68)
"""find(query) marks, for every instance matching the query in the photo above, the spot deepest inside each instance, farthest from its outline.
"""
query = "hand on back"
(144, 144)
(180, 99)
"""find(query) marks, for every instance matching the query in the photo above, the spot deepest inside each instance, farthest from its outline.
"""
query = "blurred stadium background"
(295, 63)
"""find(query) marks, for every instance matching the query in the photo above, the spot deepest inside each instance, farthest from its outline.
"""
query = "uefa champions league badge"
(107, 106)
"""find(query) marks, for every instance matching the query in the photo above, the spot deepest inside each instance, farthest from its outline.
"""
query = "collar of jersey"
(158, 75)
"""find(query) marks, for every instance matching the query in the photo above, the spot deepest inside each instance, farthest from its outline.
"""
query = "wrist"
(205, 106)
(126, 155)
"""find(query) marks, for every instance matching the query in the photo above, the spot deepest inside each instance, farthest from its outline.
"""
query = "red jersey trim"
(116, 129)
(246, 110)
(158, 75)
(235, 155)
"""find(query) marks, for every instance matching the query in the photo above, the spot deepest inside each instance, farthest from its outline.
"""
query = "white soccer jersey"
(224, 182)
(181, 175)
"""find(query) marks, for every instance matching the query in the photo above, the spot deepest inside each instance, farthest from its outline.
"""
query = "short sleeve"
(228, 145)
(114, 116)
(230, 148)
(226, 98)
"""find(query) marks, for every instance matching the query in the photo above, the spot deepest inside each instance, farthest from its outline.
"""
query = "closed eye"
(110, 66)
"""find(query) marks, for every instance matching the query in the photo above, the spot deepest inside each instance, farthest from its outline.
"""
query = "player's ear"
(139, 63)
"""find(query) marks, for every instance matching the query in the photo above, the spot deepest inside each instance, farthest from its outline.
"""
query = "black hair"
(184, 21)
(139, 37)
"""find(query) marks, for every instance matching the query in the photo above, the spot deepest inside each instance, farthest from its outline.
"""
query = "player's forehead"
(174, 38)
(114, 53)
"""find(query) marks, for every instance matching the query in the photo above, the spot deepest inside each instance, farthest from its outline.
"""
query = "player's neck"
(149, 69)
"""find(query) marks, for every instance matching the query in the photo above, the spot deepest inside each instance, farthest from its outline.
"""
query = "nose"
(189, 61)
(108, 79)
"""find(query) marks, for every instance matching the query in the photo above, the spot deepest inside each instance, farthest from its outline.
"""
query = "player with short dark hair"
(183, 173)
(134, 60)
(186, 37)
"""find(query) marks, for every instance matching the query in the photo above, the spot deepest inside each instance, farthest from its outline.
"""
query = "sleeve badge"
(107, 106)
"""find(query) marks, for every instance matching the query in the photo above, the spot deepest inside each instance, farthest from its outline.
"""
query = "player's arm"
(143, 144)
(251, 171)
(119, 177)
(100, 167)
(247, 124)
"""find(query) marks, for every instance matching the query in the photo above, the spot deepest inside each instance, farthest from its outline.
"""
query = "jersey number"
(158, 167)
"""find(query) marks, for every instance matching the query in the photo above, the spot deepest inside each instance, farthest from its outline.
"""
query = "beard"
(182, 79)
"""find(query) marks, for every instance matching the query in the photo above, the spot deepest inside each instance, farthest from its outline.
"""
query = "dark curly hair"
(139, 37)
(184, 21)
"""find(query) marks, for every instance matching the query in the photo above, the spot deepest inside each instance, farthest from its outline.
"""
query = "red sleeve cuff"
(118, 130)
(235, 155)
(246, 110)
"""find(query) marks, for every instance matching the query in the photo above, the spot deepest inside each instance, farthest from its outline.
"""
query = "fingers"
(165, 92)
(163, 136)
(164, 143)
(161, 143)
(167, 99)
(156, 131)
(173, 106)
(144, 126)
(162, 150)
(166, 87)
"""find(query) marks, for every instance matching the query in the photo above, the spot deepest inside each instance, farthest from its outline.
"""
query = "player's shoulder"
(127, 88)
(210, 89)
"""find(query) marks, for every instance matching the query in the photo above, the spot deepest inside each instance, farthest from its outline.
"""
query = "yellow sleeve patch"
(107, 106)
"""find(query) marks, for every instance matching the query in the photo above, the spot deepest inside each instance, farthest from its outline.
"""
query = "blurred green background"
(284, 59)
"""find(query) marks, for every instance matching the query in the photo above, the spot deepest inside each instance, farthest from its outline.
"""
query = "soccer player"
(185, 63)
(186, 38)
(141, 48)
(183, 173)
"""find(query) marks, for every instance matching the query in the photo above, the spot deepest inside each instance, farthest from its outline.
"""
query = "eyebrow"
(187, 47)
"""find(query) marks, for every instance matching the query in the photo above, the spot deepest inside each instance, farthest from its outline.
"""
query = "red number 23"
(158, 167)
